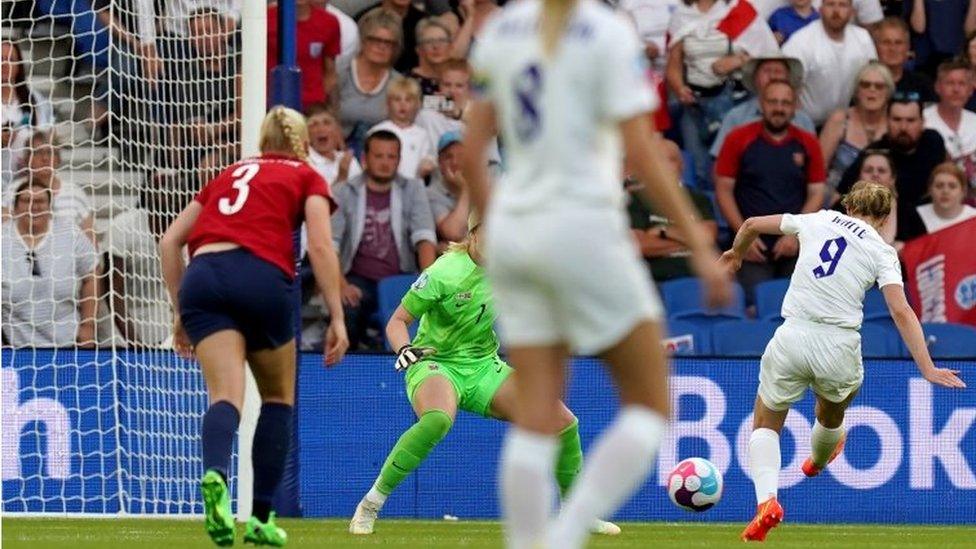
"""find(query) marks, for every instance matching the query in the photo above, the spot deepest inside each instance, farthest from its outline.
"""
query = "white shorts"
(808, 354)
(571, 277)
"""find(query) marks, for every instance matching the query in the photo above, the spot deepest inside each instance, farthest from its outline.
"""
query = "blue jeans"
(699, 125)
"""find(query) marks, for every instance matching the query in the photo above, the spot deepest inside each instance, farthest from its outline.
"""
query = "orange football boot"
(810, 468)
(768, 516)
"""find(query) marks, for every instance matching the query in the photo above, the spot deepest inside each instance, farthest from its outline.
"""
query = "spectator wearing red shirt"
(318, 43)
(769, 167)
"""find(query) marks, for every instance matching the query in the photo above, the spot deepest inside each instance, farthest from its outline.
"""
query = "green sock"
(412, 448)
(570, 459)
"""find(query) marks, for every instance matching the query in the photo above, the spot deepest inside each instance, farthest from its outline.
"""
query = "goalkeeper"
(453, 363)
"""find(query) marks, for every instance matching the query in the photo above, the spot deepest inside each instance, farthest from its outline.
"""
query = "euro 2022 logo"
(966, 292)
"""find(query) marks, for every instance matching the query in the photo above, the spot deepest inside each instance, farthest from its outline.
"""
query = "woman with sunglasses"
(363, 80)
(848, 131)
(44, 258)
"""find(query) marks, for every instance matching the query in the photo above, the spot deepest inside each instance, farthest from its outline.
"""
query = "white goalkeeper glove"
(409, 355)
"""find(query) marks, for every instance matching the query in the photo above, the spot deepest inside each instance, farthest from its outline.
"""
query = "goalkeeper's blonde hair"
(284, 131)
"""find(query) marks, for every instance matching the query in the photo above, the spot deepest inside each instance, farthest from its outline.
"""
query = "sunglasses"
(868, 85)
(32, 261)
(435, 42)
(377, 41)
(906, 97)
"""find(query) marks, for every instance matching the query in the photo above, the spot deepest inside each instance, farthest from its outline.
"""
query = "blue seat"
(769, 299)
(875, 306)
(880, 340)
(389, 292)
(742, 337)
(700, 337)
(947, 340)
(683, 301)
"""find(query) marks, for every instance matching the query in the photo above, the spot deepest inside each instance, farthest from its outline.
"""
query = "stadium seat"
(880, 340)
(683, 300)
(389, 293)
(875, 306)
(701, 343)
(947, 340)
(769, 299)
(742, 337)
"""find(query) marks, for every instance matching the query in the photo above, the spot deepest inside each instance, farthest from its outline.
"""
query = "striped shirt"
(40, 297)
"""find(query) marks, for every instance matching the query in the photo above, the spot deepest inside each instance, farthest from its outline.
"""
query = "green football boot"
(265, 534)
(218, 517)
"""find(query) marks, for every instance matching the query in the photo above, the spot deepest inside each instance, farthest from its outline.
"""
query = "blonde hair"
(882, 70)
(555, 18)
(284, 130)
(405, 86)
(382, 18)
(868, 199)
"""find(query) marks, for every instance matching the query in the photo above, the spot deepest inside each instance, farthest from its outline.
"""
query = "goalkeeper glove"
(409, 355)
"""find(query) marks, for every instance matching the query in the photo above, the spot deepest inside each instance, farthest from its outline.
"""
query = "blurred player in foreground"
(565, 81)
(841, 257)
(453, 363)
(236, 304)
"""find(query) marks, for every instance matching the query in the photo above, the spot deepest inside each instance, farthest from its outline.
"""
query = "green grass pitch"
(146, 533)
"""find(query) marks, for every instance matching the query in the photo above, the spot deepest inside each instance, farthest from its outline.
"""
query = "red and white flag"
(748, 30)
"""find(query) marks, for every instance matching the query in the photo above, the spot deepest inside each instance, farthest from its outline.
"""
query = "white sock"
(615, 468)
(527, 489)
(375, 497)
(822, 443)
(764, 463)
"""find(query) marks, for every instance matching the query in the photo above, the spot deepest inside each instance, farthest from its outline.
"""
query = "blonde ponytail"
(555, 17)
(284, 131)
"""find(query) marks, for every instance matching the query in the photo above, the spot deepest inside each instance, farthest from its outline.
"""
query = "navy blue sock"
(268, 454)
(218, 431)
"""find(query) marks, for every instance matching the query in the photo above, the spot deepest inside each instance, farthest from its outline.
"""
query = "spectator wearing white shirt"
(947, 189)
(327, 151)
(49, 282)
(140, 303)
(956, 125)
(652, 18)
(41, 167)
(416, 149)
(832, 52)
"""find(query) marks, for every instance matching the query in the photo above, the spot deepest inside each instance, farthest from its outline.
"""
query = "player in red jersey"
(236, 304)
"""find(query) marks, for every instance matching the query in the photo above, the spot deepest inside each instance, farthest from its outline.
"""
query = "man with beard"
(383, 227)
(769, 167)
(914, 151)
(832, 53)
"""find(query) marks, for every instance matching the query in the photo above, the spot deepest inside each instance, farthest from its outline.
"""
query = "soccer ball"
(695, 485)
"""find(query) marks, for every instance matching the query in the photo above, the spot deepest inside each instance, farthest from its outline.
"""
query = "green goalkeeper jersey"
(452, 299)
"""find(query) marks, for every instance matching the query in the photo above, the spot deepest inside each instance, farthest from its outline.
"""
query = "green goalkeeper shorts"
(474, 381)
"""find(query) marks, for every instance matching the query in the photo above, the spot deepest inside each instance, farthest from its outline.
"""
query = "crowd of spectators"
(783, 118)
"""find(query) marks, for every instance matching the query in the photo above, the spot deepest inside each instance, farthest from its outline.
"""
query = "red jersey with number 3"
(258, 203)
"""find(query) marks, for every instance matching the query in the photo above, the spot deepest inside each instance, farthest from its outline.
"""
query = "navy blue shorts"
(236, 290)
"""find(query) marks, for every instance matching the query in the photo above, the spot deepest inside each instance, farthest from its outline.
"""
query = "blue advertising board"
(99, 433)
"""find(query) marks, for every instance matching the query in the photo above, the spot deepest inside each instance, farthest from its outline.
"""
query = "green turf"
(140, 533)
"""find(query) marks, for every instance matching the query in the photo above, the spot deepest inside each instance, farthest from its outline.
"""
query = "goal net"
(123, 113)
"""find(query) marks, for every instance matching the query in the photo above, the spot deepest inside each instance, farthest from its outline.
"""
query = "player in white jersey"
(565, 83)
(818, 345)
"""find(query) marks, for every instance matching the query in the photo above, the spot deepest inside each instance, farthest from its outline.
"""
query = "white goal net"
(115, 112)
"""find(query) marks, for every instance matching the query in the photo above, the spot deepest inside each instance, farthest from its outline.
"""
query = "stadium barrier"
(910, 457)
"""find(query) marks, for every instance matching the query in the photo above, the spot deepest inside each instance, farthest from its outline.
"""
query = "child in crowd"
(416, 148)
(327, 151)
(789, 19)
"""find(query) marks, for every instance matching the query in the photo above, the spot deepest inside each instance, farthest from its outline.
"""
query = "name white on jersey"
(559, 115)
(840, 259)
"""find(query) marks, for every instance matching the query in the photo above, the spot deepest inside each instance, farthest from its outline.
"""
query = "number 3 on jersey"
(830, 255)
(528, 85)
(243, 174)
